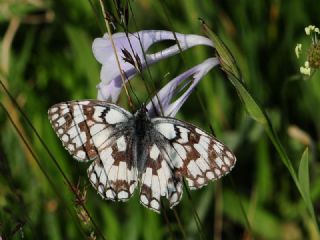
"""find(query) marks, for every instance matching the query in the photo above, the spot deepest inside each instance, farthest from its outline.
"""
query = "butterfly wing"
(99, 131)
(195, 154)
(182, 150)
(159, 179)
(83, 126)
(114, 174)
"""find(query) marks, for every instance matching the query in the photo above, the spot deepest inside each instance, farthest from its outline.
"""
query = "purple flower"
(136, 44)
(176, 86)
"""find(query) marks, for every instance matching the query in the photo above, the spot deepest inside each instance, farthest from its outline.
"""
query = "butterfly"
(127, 150)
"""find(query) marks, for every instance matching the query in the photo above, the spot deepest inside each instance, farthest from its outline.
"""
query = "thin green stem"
(66, 179)
(51, 182)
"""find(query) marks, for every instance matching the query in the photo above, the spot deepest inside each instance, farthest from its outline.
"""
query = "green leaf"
(261, 221)
(252, 107)
(304, 181)
(229, 66)
(304, 174)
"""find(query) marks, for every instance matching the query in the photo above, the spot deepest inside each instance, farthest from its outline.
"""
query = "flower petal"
(161, 103)
(136, 44)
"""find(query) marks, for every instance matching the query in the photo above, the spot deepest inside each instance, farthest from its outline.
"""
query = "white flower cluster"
(312, 31)
(306, 70)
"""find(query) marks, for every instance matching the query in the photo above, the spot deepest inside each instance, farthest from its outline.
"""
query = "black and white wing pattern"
(96, 130)
(160, 178)
(127, 149)
(183, 151)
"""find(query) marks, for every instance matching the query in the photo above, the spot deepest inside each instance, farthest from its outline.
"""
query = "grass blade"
(229, 66)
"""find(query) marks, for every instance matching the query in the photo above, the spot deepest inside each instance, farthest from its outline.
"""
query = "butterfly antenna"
(134, 94)
(139, 67)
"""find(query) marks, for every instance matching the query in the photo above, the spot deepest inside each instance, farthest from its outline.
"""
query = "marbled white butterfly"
(127, 150)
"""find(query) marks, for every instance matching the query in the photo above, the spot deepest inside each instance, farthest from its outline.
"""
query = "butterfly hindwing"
(114, 174)
(159, 180)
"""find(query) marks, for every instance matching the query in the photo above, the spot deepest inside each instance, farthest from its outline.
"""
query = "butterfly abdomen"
(143, 128)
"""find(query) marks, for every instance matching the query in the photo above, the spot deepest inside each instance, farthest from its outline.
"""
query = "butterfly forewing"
(193, 153)
(85, 126)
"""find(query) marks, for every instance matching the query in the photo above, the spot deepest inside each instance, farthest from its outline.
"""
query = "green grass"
(272, 193)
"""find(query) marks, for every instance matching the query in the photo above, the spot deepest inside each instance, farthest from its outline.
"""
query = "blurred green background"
(46, 58)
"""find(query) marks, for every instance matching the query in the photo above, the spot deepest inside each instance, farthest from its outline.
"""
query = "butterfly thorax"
(142, 122)
(143, 131)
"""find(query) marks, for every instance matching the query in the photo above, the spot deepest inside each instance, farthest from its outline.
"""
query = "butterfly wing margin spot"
(113, 174)
(79, 123)
(195, 154)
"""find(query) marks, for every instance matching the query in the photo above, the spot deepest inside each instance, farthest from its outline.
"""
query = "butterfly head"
(142, 113)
